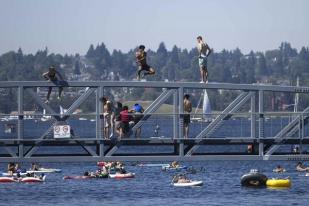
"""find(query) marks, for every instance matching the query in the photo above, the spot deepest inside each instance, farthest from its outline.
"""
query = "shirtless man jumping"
(142, 63)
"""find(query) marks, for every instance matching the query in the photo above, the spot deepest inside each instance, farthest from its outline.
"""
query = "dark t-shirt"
(141, 58)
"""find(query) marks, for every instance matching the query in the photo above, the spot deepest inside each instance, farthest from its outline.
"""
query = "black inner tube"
(253, 180)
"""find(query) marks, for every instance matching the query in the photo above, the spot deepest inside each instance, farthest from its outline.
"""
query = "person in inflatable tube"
(279, 169)
(181, 178)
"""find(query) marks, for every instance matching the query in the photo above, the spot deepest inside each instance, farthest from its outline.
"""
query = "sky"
(70, 26)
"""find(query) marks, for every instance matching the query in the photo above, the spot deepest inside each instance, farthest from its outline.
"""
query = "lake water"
(151, 186)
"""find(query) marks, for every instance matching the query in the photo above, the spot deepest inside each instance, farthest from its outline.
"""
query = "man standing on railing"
(54, 76)
(142, 63)
(187, 108)
(203, 52)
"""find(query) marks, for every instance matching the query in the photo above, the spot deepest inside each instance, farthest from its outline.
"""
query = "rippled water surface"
(152, 187)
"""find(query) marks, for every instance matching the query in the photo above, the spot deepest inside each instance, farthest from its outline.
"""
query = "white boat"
(44, 170)
(206, 109)
(206, 106)
(41, 170)
(5, 174)
(189, 184)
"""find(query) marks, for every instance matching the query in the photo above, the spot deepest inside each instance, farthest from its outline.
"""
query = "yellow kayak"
(281, 183)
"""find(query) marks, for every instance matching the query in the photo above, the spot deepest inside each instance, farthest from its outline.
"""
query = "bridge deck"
(97, 148)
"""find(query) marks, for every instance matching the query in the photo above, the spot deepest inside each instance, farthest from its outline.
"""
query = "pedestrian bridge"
(225, 135)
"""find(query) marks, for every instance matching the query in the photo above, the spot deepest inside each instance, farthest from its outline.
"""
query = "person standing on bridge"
(138, 111)
(203, 52)
(187, 107)
(125, 118)
(142, 63)
(107, 116)
(54, 76)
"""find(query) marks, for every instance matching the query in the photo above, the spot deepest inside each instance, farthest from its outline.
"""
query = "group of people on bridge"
(118, 118)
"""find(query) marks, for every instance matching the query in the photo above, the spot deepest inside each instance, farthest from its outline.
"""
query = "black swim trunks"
(144, 67)
(186, 118)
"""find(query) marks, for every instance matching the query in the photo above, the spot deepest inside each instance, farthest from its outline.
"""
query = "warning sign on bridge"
(62, 131)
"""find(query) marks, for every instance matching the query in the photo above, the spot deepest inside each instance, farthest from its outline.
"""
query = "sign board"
(62, 131)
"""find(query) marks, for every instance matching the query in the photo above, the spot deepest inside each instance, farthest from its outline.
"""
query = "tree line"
(278, 66)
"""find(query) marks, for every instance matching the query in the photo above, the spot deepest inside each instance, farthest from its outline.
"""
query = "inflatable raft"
(278, 183)
(23, 179)
(8, 179)
(253, 179)
(122, 176)
(33, 179)
(189, 184)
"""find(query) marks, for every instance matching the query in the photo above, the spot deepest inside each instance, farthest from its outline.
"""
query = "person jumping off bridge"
(142, 63)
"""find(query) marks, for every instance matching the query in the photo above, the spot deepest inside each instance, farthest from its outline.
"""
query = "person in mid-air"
(142, 63)
(203, 52)
(54, 76)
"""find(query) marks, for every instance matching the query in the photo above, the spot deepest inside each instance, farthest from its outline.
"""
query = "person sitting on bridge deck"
(138, 111)
(142, 63)
(301, 168)
(54, 76)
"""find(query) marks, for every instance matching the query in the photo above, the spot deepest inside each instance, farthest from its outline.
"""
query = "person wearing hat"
(54, 76)
(142, 63)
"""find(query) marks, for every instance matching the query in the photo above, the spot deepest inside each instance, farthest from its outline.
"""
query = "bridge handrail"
(158, 84)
